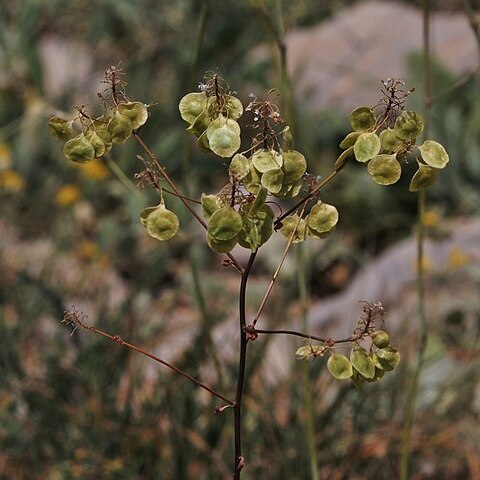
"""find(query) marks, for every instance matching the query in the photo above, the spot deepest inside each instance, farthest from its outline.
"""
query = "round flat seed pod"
(366, 147)
(291, 224)
(264, 160)
(322, 217)
(424, 178)
(97, 143)
(294, 165)
(362, 119)
(234, 107)
(385, 169)
(210, 204)
(239, 167)
(224, 136)
(343, 159)
(388, 358)
(79, 150)
(409, 125)
(192, 105)
(225, 224)
(362, 362)
(145, 213)
(221, 246)
(136, 112)
(339, 366)
(319, 236)
(381, 339)
(272, 180)
(199, 125)
(162, 224)
(220, 122)
(259, 201)
(434, 154)
(60, 128)
(389, 140)
(120, 128)
(349, 140)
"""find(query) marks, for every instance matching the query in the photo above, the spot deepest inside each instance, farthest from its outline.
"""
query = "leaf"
(362, 119)
(79, 150)
(385, 169)
(362, 362)
(294, 165)
(339, 366)
(366, 147)
(161, 223)
(349, 140)
(264, 160)
(434, 154)
(192, 105)
(424, 178)
(322, 217)
(60, 128)
(409, 125)
(225, 224)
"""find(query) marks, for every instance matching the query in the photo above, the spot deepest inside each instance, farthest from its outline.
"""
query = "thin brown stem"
(239, 461)
(175, 190)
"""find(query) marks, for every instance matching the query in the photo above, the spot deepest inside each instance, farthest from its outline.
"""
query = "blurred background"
(82, 407)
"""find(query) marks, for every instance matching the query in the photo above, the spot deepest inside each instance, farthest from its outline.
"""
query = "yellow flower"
(67, 195)
(87, 249)
(5, 156)
(457, 258)
(94, 170)
(431, 218)
(11, 181)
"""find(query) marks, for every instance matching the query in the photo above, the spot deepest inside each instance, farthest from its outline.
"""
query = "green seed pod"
(264, 160)
(343, 158)
(310, 352)
(136, 112)
(234, 107)
(120, 128)
(161, 223)
(389, 140)
(385, 169)
(257, 229)
(239, 167)
(97, 143)
(362, 119)
(379, 373)
(252, 182)
(349, 140)
(388, 358)
(294, 165)
(409, 125)
(322, 217)
(210, 204)
(292, 223)
(358, 380)
(259, 201)
(199, 125)
(203, 145)
(249, 236)
(224, 136)
(60, 128)
(319, 236)
(362, 362)
(366, 147)
(339, 366)
(79, 150)
(424, 178)
(272, 180)
(221, 246)
(434, 154)
(381, 339)
(192, 105)
(225, 224)
(145, 213)
(287, 138)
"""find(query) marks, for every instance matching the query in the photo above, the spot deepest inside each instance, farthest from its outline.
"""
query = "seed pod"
(388, 358)
(252, 182)
(344, 158)
(362, 362)
(381, 339)
(221, 246)
(366, 147)
(385, 169)
(234, 107)
(409, 125)
(310, 352)
(389, 140)
(145, 213)
(199, 125)
(224, 136)
(161, 223)
(225, 224)
(322, 217)
(291, 223)
(136, 112)
(97, 143)
(259, 201)
(192, 105)
(349, 140)
(210, 204)
(424, 178)
(60, 128)
(272, 180)
(362, 119)
(239, 167)
(294, 165)
(264, 160)
(339, 366)
(434, 154)
(257, 228)
(120, 128)
(79, 150)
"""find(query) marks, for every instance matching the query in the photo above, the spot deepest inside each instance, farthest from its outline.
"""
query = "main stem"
(242, 360)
